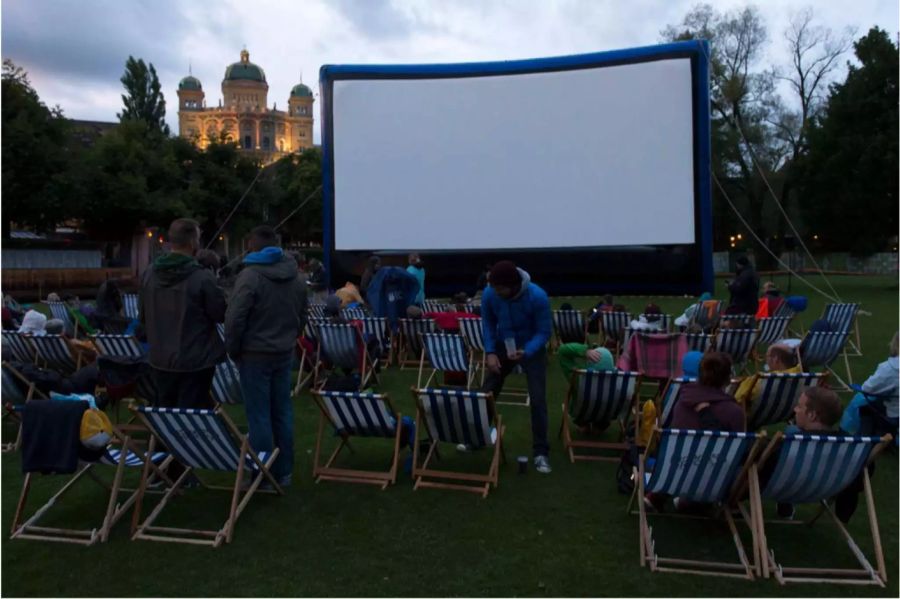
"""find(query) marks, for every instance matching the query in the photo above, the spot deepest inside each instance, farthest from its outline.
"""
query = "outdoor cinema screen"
(582, 157)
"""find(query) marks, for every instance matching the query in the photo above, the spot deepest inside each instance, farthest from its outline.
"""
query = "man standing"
(517, 325)
(180, 304)
(744, 288)
(415, 269)
(266, 314)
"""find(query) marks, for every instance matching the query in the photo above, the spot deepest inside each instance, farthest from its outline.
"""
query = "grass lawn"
(566, 534)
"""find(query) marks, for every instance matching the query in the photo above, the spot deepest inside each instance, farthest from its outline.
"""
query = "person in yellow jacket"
(780, 359)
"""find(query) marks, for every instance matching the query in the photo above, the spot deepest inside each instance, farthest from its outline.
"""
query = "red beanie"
(505, 274)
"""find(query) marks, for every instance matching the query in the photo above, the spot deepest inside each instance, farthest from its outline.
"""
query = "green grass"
(566, 534)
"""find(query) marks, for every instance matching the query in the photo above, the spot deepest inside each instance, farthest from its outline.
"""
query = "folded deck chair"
(569, 326)
(813, 469)
(126, 346)
(54, 352)
(343, 346)
(130, 305)
(598, 397)
(21, 347)
(780, 393)
(698, 341)
(123, 453)
(738, 344)
(704, 467)
(409, 347)
(613, 325)
(456, 416)
(60, 310)
(667, 400)
(201, 440)
(353, 414)
(843, 319)
(445, 353)
(226, 384)
(473, 335)
(822, 349)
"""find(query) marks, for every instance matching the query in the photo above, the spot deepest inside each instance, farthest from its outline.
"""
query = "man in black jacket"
(266, 314)
(744, 288)
(180, 304)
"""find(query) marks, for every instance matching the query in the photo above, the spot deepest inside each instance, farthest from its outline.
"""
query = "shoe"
(283, 481)
(462, 447)
(542, 464)
(785, 511)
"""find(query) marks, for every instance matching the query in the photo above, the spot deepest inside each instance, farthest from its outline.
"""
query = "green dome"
(301, 91)
(245, 70)
(189, 82)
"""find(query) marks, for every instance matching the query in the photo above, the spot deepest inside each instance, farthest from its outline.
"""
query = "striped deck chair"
(822, 349)
(698, 341)
(131, 305)
(737, 321)
(780, 393)
(664, 319)
(445, 353)
(21, 347)
(354, 313)
(376, 327)
(409, 347)
(813, 469)
(308, 362)
(597, 398)
(737, 343)
(226, 384)
(126, 346)
(667, 400)
(432, 305)
(706, 318)
(54, 352)
(613, 325)
(342, 345)
(60, 310)
(457, 416)
(356, 415)
(569, 326)
(843, 319)
(123, 454)
(472, 308)
(705, 467)
(317, 310)
(473, 335)
(772, 329)
(201, 440)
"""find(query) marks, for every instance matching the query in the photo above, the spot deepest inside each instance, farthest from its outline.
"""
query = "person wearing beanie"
(690, 364)
(516, 323)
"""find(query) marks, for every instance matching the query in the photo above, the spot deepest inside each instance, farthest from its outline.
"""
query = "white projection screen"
(600, 154)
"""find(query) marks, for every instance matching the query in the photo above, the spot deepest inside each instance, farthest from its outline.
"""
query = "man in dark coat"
(744, 288)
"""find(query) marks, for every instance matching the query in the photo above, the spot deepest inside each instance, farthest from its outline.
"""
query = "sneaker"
(785, 511)
(462, 447)
(542, 464)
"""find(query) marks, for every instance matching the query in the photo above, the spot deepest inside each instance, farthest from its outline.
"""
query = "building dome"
(301, 91)
(190, 82)
(245, 70)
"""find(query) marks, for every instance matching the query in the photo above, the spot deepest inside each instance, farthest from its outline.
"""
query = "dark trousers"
(184, 389)
(535, 369)
(266, 385)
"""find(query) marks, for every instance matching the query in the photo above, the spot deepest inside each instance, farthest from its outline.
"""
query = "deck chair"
(665, 321)
(472, 307)
(459, 417)
(843, 319)
(409, 346)
(131, 305)
(21, 347)
(123, 453)
(54, 352)
(671, 394)
(377, 328)
(343, 346)
(473, 336)
(813, 469)
(699, 466)
(17, 390)
(201, 440)
(316, 310)
(656, 356)
(613, 325)
(780, 393)
(745, 321)
(822, 349)
(698, 341)
(598, 397)
(706, 318)
(226, 384)
(308, 362)
(354, 313)
(437, 306)
(60, 310)
(445, 353)
(772, 329)
(355, 414)
(737, 343)
(117, 345)
(569, 326)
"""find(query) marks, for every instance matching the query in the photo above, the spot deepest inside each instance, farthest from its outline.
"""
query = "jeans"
(266, 385)
(535, 369)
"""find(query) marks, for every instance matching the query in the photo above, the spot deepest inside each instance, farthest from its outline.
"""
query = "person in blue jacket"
(516, 321)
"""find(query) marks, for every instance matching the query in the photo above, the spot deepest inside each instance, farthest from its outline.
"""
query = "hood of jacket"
(526, 279)
(172, 268)
(271, 263)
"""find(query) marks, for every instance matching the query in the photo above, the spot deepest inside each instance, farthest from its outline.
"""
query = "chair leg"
(873, 524)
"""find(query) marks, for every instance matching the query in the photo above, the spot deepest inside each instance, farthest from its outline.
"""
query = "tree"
(144, 100)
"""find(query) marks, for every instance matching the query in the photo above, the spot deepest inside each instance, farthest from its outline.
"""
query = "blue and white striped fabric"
(112, 456)
(377, 328)
(812, 468)
(125, 346)
(226, 383)
(60, 311)
(780, 393)
(471, 308)
(699, 465)
(446, 352)
(54, 350)
(312, 327)
(317, 310)
(737, 343)
(821, 349)
(670, 398)
(601, 396)
(456, 416)
(747, 321)
(698, 341)
(569, 326)
(341, 344)
(840, 316)
(412, 330)
(772, 329)
(359, 414)
(614, 324)
(12, 393)
(472, 333)
(354, 313)
(437, 306)
(130, 303)
(19, 344)
(220, 329)
(197, 438)
(784, 311)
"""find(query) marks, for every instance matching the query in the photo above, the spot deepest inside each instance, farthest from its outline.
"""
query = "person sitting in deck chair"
(878, 394)
(78, 348)
(650, 321)
(770, 301)
(349, 296)
(33, 323)
(690, 313)
(780, 359)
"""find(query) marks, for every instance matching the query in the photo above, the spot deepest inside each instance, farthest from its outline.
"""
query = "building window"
(247, 142)
(303, 134)
(265, 143)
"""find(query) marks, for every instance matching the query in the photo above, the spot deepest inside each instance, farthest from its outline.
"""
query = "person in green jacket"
(581, 355)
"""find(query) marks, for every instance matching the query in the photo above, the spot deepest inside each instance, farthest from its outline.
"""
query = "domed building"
(243, 115)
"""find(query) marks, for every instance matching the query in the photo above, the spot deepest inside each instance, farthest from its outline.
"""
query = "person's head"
(690, 364)
(505, 279)
(261, 237)
(715, 370)
(460, 300)
(184, 236)
(705, 296)
(55, 326)
(207, 259)
(33, 323)
(415, 259)
(374, 262)
(652, 313)
(605, 362)
(742, 263)
(332, 305)
(413, 312)
(53, 297)
(892, 348)
(780, 357)
(817, 409)
(769, 288)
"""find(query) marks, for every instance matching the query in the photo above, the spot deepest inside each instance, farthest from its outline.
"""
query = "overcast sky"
(75, 51)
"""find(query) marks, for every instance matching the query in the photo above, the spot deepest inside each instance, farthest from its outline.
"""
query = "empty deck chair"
(409, 347)
(124, 346)
(569, 326)
(813, 469)
(353, 414)
(54, 352)
(780, 393)
(737, 343)
(822, 349)
(343, 347)
(201, 440)
(130, 305)
(843, 319)
(772, 329)
(473, 335)
(597, 397)
(21, 347)
(456, 416)
(613, 325)
(445, 353)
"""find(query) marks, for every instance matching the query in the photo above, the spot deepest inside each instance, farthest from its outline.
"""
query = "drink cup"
(510, 346)
(523, 464)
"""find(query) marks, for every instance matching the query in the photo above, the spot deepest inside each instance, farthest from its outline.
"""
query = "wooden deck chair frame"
(29, 529)
(240, 495)
(406, 354)
(311, 330)
(426, 476)
(450, 341)
(328, 471)
(866, 575)
(367, 367)
(9, 408)
(746, 567)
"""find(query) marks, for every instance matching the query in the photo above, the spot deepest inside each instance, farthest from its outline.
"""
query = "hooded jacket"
(267, 309)
(524, 317)
(883, 383)
(180, 304)
(744, 289)
(722, 407)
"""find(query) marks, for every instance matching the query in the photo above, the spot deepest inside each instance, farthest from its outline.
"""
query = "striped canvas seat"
(220, 329)
(613, 325)
(445, 353)
(569, 326)
(784, 311)
(821, 348)
(125, 346)
(226, 383)
(377, 328)
(738, 321)
(12, 392)
(354, 313)
(437, 306)
(698, 341)
(472, 333)
(60, 311)
(130, 305)
(317, 310)
(669, 398)
(841, 316)
(20, 345)
(597, 398)
(342, 345)
(772, 329)
(312, 327)
(54, 351)
(780, 393)
(411, 331)
(472, 308)
(112, 456)
(737, 343)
